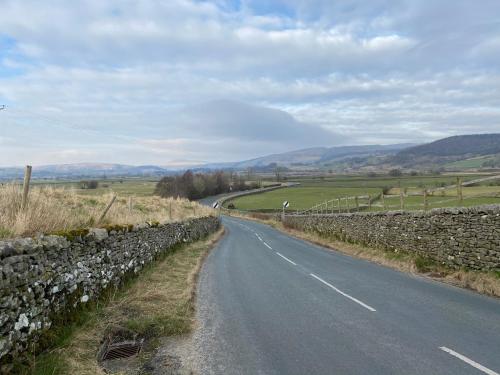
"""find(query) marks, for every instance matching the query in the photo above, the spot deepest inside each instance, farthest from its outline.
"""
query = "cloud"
(225, 80)
(245, 122)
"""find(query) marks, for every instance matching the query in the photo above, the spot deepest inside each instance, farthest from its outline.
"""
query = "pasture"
(123, 187)
(316, 190)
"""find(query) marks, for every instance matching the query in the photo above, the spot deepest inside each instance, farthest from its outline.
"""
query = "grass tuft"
(424, 264)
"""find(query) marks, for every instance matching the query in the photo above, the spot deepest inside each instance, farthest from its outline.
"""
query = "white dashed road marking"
(285, 258)
(344, 294)
(468, 361)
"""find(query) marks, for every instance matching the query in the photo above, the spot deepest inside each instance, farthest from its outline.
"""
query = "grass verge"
(483, 282)
(159, 302)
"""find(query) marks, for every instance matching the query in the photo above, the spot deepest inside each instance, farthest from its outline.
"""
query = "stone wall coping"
(30, 245)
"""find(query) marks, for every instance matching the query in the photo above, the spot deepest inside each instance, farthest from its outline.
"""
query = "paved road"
(272, 304)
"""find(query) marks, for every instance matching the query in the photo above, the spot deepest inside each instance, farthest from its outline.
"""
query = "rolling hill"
(449, 150)
(461, 152)
(313, 157)
(84, 170)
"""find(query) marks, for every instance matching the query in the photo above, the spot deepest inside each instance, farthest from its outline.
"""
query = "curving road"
(272, 304)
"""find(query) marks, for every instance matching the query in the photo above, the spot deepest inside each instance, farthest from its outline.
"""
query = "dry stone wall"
(49, 276)
(456, 237)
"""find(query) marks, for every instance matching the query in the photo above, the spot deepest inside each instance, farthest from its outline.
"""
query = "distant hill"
(311, 157)
(84, 170)
(478, 144)
(449, 149)
(477, 151)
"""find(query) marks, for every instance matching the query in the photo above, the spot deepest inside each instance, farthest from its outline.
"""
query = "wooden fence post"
(383, 199)
(459, 189)
(26, 187)
(401, 197)
(106, 209)
(129, 204)
(426, 206)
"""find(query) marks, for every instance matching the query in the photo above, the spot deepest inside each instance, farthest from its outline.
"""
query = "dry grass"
(483, 282)
(160, 302)
(54, 209)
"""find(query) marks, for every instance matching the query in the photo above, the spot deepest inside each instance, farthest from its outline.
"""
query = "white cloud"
(214, 79)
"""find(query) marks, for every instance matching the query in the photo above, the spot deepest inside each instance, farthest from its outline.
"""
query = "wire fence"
(424, 199)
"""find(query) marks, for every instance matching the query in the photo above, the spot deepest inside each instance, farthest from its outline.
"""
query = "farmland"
(123, 187)
(312, 191)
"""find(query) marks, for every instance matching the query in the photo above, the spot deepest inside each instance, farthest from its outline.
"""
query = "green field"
(476, 162)
(300, 197)
(122, 187)
(428, 182)
(312, 191)
(417, 202)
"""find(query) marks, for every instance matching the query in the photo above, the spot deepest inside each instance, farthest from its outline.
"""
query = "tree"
(395, 172)
(196, 186)
(199, 185)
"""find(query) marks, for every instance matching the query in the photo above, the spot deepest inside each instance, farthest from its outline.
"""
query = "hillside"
(313, 157)
(448, 150)
(477, 144)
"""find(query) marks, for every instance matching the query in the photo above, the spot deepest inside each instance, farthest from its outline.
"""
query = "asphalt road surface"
(272, 304)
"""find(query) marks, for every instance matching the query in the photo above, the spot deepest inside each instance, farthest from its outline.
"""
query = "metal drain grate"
(122, 349)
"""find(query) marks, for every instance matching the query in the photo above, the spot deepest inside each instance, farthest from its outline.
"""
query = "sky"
(180, 82)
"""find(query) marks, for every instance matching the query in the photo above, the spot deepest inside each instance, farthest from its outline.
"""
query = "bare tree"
(277, 173)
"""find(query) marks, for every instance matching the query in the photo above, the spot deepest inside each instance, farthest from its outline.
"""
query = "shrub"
(90, 184)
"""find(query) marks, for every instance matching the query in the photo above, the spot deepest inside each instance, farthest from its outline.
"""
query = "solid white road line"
(344, 294)
(468, 361)
(285, 258)
(265, 243)
(258, 236)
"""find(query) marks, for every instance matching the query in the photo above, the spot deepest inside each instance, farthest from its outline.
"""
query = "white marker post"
(286, 204)
(216, 206)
